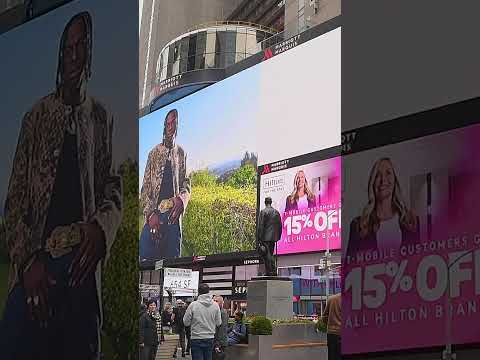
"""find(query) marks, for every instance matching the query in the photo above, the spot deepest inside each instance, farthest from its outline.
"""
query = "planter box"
(294, 333)
(283, 344)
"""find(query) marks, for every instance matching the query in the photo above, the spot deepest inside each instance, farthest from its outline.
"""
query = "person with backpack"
(179, 326)
(238, 332)
(203, 316)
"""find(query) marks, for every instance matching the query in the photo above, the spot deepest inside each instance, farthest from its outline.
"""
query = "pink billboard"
(307, 195)
(411, 267)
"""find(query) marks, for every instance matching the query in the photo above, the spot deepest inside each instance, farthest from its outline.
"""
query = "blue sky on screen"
(216, 124)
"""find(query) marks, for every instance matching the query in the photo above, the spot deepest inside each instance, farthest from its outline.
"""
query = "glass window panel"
(210, 60)
(301, 23)
(252, 47)
(239, 57)
(211, 40)
(220, 60)
(229, 59)
(201, 42)
(184, 48)
(221, 42)
(169, 70)
(241, 42)
(192, 45)
(183, 64)
(175, 68)
(171, 54)
(200, 62)
(230, 41)
(191, 63)
(261, 36)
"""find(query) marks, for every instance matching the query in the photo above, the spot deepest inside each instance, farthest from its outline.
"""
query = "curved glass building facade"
(210, 46)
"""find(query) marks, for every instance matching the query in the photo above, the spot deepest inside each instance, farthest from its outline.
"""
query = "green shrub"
(120, 280)
(261, 325)
(203, 178)
(321, 326)
(219, 219)
(243, 177)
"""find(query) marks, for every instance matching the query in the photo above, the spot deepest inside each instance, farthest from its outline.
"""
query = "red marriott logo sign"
(267, 54)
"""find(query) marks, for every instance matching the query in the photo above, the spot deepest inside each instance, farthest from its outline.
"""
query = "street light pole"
(448, 354)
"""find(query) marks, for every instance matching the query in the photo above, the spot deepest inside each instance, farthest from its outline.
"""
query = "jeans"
(334, 347)
(202, 349)
(167, 247)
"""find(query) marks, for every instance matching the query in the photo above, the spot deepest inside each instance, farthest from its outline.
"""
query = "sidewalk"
(166, 349)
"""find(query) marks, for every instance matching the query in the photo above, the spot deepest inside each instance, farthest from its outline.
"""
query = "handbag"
(218, 353)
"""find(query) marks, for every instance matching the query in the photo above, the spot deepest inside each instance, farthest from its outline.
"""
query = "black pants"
(334, 347)
(73, 330)
(149, 352)
(181, 340)
(188, 334)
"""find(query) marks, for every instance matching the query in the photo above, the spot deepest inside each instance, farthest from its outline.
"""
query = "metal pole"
(162, 337)
(448, 354)
(327, 267)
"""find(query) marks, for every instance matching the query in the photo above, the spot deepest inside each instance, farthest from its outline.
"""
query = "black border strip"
(417, 125)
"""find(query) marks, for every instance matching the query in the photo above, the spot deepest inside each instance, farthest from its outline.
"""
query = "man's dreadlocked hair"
(87, 21)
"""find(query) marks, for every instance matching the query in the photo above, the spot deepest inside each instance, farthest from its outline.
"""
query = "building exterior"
(270, 13)
(228, 274)
(200, 56)
(288, 17)
(164, 20)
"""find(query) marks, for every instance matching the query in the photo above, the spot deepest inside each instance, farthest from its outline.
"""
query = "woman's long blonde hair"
(294, 196)
(369, 221)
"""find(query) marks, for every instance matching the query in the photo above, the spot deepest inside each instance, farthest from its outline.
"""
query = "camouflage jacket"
(152, 178)
(34, 168)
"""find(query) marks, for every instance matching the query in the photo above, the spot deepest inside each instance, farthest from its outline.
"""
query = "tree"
(245, 176)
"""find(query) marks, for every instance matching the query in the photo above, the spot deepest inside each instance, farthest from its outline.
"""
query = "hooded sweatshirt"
(203, 316)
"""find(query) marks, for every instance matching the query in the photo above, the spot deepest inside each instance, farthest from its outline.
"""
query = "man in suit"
(269, 231)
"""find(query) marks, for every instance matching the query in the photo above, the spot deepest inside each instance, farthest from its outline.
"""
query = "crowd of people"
(202, 327)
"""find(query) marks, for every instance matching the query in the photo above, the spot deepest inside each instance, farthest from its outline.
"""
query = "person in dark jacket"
(148, 333)
(178, 325)
(167, 317)
(220, 342)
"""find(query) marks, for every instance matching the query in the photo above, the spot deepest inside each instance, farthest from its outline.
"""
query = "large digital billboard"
(306, 192)
(411, 266)
(68, 194)
(199, 155)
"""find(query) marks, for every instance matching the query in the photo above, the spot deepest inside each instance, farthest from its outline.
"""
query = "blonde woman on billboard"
(302, 197)
(386, 221)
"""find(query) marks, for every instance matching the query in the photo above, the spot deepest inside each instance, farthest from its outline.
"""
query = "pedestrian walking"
(179, 326)
(203, 316)
(148, 333)
(220, 342)
(332, 316)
